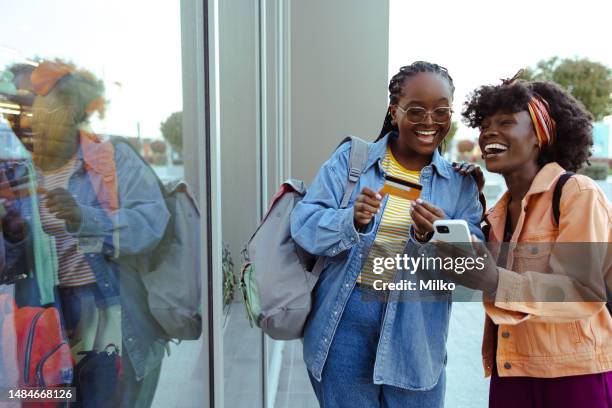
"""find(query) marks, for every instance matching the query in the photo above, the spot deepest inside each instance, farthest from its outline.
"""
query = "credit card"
(401, 188)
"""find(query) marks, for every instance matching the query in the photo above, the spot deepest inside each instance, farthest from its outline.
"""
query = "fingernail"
(419, 201)
(378, 196)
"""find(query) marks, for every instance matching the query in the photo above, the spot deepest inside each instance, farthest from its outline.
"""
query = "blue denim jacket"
(412, 346)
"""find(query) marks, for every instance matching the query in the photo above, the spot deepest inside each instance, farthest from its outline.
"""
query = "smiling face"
(508, 142)
(428, 91)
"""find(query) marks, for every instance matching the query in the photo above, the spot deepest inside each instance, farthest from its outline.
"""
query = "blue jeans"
(347, 378)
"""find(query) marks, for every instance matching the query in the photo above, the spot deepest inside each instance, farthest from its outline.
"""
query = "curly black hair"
(572, 146)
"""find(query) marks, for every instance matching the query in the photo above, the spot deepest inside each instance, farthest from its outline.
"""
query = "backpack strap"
(557, 194)
(556, 213)
(357, 160)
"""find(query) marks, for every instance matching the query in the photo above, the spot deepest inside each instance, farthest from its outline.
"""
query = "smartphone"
(453, 231)
(401, 188)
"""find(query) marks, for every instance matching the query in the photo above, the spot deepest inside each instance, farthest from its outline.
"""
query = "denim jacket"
(411, 351)
(108, 238)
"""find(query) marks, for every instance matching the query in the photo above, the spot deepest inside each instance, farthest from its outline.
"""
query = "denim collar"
(377, 151)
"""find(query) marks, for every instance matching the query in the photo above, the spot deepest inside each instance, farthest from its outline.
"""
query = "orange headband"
(48, 73)
(543, 123)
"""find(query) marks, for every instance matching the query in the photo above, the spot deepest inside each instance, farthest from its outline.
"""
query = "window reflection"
(99, 246)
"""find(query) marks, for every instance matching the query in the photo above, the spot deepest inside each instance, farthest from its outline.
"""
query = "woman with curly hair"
(541, 353)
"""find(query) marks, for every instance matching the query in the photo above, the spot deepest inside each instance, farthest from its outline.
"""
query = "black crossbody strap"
(556, 212)
(557, 194)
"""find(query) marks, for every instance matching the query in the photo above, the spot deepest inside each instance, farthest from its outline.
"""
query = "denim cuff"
(95, 227)
(351, 234)
(94, 222)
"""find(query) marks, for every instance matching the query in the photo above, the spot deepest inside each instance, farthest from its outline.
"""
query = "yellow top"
(394, 227)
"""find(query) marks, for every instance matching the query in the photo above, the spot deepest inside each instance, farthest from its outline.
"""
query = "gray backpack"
(278, 276)
(171, 273)
(174, 279)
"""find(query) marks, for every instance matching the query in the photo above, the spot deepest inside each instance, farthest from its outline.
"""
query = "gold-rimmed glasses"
(416, 114)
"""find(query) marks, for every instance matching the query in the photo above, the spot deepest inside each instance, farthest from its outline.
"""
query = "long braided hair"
(395, 87)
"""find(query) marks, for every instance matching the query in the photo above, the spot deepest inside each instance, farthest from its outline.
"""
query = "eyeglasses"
(417, 114)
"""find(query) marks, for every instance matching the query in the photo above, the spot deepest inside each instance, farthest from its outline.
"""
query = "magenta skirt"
(580, 391)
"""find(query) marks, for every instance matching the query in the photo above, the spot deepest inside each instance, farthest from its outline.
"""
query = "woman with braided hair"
(365, 343)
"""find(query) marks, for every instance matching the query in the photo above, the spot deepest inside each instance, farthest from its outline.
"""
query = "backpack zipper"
(28, 350)
(39, 366)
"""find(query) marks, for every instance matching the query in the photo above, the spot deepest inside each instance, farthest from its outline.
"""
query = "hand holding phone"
(453, 239)
(453, 232)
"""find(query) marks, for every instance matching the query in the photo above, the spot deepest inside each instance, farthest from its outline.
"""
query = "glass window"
(101, 251)
(240, 192)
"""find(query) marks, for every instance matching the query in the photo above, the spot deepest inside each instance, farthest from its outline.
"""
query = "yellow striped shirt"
(393, 230)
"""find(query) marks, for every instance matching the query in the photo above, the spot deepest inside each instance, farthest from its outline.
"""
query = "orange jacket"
(549, 339)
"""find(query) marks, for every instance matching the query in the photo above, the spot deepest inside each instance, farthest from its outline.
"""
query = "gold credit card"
(401, 188)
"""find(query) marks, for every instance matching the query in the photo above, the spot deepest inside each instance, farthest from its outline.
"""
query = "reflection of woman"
(58, 113)
(540, 354)
(370, 352)
(99, 202)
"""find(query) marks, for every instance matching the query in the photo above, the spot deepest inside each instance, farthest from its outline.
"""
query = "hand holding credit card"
(401, 188)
